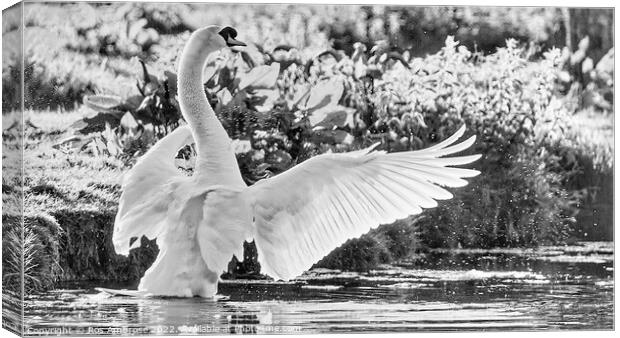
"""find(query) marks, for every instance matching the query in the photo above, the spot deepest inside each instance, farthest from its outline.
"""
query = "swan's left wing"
(146, 194)
(304, 213)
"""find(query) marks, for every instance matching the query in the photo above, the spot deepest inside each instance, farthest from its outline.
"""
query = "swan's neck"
(194, 105)
(212, 141)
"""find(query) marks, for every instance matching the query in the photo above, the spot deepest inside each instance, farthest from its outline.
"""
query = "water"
(547, 289)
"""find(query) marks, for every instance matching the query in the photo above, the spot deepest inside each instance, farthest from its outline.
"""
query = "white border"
(486, 3)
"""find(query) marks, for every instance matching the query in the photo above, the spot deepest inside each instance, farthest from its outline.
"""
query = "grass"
(55, 180)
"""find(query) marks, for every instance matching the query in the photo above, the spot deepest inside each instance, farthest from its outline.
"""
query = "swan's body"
(295, 218)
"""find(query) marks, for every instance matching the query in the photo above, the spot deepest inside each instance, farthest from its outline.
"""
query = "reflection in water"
(445, 291)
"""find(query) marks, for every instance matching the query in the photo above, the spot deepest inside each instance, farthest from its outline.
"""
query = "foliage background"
(534, 84)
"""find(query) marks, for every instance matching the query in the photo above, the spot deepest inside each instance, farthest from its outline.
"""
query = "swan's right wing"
(145, 193)
(306, 212)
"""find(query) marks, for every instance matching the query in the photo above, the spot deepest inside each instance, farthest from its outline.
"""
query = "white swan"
(295, 218)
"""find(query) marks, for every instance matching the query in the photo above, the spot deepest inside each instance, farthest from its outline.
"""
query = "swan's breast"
(227, 206)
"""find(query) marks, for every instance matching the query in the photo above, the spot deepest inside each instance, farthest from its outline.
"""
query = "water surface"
(551, 288)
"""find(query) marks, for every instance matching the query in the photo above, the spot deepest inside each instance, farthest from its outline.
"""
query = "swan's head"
(203, 43)
(218, 37)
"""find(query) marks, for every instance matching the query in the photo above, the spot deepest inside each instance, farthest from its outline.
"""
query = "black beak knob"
(229, 34)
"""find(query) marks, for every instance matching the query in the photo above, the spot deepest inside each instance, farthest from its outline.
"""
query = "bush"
(522, 200)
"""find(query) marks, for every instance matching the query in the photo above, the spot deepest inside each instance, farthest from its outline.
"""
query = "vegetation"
(296, 94)
(70, 202)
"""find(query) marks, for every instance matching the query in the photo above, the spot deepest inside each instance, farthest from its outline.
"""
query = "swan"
(295, 218)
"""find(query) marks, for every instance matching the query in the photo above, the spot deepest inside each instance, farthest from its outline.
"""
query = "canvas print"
(215, 169)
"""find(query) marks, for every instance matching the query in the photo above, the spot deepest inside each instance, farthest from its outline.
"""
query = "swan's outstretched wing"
(145, 196)
(306, 212)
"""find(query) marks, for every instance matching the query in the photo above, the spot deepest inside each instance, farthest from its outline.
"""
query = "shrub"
(521, 201)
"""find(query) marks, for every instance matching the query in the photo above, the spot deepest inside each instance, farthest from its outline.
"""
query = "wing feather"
(457, 135)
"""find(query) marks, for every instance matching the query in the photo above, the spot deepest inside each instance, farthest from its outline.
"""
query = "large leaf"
(132, 103)
(260, 77)
(96, 122)
(326, 102)
(323, 101)
(332, 116)
(252, 56)
(129, 124)
(332, 137)
(325, 93)
(223, 98)
(102, 103)
(211, 70)
(263, 100)
(73, 143)
(301, 94)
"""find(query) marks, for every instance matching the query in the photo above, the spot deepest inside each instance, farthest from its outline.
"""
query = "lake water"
(551, 288)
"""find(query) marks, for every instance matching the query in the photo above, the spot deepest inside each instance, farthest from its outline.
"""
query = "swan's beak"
(231, 42)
